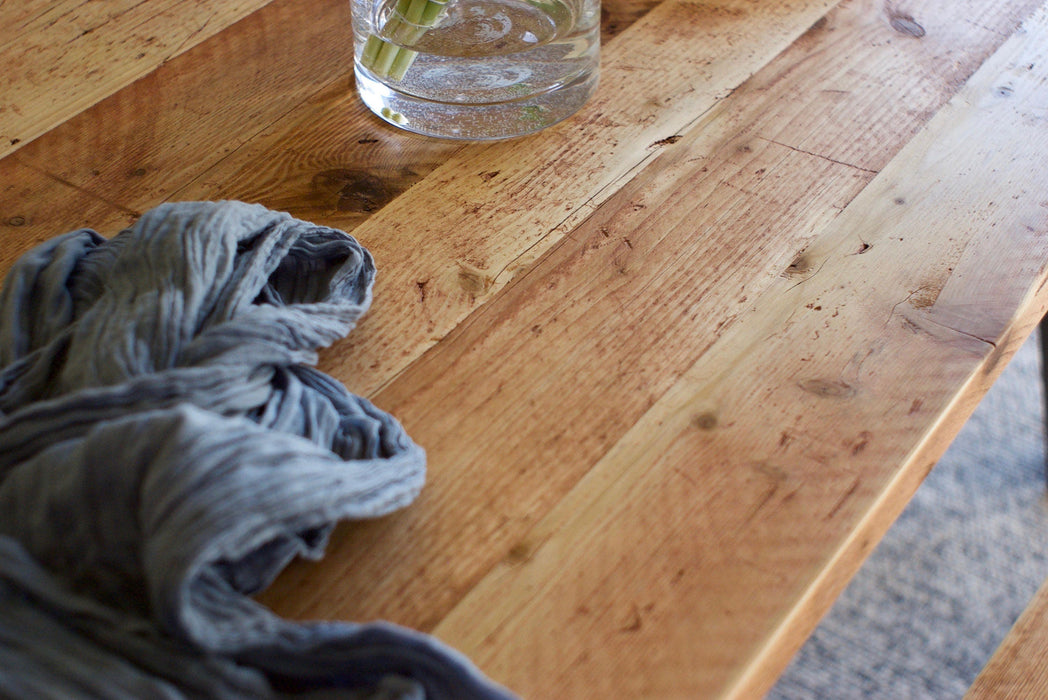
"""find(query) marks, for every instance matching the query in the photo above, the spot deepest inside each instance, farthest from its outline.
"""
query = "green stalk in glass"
(406, 25)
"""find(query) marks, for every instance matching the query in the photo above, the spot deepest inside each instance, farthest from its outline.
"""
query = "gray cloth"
(166, 449)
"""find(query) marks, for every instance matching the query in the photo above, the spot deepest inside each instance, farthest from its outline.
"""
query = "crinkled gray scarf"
(166, 449)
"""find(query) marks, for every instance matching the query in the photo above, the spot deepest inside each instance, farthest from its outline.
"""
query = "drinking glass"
(475, 69)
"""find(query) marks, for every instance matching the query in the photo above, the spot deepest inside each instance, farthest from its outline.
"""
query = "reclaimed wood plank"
(611, 318)
(1019, 668)
(34, 208)
(149, 139)
(164, 131)
(60, 58)
(492, 209)
(774, 149)
(705, 536)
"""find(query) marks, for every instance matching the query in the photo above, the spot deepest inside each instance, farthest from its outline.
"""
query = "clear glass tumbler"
(476, 69)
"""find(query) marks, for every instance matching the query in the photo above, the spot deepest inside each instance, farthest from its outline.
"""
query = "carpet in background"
(936, 597)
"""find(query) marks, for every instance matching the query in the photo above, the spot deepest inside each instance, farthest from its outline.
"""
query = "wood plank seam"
(99, 70)
(887, 502)
(76, 188)
(706, 127)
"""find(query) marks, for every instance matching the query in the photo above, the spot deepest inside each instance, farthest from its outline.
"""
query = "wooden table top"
(1018, 669)
(678, 362)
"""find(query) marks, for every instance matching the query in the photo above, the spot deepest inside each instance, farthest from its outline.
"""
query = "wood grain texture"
(58, 58)
(611, 318)
(148, 140)
(677, 362)
(34, 208)
(156, 136)
(162, 132)
(1019, 667)
(703, 522)
(517, 198)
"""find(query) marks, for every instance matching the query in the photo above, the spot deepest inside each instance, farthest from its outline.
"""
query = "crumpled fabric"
(166, 448)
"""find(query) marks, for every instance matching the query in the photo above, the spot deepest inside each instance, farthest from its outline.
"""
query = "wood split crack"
(81, 190)
(927, 317)
(991, 30)
(819, 155)
(991, 343)
(843, 499)
(189, 37)
(668, 141)
(896, 305)
(806, 279)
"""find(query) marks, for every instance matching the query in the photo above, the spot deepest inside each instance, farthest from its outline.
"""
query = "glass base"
(475, 122)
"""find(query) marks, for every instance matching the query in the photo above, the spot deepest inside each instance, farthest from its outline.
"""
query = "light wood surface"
(63, 56)
(677, 362)
(1019, 667)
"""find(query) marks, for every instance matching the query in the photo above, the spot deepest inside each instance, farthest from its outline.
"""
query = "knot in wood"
(906, 24)
(353, 190)
(828, 388)
(705, 421)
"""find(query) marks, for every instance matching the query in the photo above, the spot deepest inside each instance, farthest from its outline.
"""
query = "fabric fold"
(166, 450)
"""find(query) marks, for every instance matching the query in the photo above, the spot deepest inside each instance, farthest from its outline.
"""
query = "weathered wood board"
(677, 362)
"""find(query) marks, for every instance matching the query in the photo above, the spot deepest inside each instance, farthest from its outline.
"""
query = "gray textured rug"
(947, 582)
